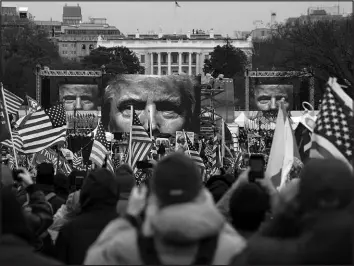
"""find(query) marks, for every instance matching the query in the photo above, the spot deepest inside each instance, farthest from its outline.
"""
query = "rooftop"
(72, 11)
(47, 23)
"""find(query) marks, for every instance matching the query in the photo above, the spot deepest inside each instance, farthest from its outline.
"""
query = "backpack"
(149, 255)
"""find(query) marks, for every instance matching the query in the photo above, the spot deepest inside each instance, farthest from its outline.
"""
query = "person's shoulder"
(229, 237)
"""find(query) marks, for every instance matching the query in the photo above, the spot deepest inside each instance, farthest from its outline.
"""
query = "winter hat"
(176, 179)
(45, 174)
(125, 178)
(323, 182)
(6, 176)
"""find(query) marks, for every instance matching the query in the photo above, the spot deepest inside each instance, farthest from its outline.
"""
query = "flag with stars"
(333, 133)
(100, 149)
(43, 129)
(141, 142)
(194, 155)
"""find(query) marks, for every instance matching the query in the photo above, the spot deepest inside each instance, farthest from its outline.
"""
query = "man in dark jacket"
(315, 227)
(17, 239)
(98, 198)
(126, 182)
(219, 183)
(45, 182)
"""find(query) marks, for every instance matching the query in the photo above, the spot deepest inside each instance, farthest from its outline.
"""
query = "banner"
(47, 156)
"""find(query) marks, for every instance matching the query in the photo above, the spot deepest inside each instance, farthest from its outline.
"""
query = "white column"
(158, 63)
(190, 64)
(169, 72)
(179, 63)
(197, 63)
(151, 63)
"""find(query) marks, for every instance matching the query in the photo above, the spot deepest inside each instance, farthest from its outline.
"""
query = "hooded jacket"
(177, 231)
(98, 199)
(126, 182)
(218, 185)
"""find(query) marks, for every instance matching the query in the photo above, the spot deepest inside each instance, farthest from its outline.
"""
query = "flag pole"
(150, 115)
(8, 123)
(222, 138)
(131, 134)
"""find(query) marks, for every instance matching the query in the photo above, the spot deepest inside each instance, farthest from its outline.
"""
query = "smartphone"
(256, 163)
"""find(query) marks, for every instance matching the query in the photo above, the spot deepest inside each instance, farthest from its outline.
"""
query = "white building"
(165, 54)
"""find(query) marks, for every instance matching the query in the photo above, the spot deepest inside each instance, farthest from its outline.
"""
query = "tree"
(322, 47)
(117, 60)
(24, 47)
(227, 60)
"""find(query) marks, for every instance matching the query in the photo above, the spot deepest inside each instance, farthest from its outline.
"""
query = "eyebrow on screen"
(173, 102)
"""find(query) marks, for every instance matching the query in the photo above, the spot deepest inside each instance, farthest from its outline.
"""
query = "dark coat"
(219, 184)
(15, 251)
(56, 201)
(98, 198)
(325, 239)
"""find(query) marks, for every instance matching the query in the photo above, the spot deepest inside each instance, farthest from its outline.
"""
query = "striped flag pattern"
(214, 152)
(43, 129)
(141, 142)
(13, 102)
(77, 161)
(303, 140)
(17, 142)
(333, 133)
(193, 153)
(100, 149)
(5, 131)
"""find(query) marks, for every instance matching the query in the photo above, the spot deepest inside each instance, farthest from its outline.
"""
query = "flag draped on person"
(13, 102)
(194, 155)
(4, 127)
(43, 128)
(333, 133)
(283, 151)
(141, 143)
(77, 161)
(100, 149)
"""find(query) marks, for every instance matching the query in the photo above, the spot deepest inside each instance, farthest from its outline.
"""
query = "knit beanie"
(176, 179)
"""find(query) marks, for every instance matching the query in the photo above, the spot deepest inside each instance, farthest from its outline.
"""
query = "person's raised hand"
(25, 177)
(137, 200)
(243, 177)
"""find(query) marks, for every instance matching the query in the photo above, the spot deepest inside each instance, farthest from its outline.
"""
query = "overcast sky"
(223, 17)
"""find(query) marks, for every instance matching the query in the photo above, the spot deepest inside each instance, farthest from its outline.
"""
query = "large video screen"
(266, 96)
(82, 97)
(171, 102)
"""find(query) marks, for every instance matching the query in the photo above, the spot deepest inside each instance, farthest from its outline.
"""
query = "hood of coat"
(184, 223)
(99, 190)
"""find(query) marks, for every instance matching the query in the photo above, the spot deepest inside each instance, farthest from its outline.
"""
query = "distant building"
(241, 34)
(318, 14)
(261, 34)
(164, 54)
(76, 41)
(15, 17)
(72, 15)
(52, 27)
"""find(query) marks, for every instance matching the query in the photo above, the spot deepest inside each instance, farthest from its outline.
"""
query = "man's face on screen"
(268, 97)
(79, 96)
(159, 102)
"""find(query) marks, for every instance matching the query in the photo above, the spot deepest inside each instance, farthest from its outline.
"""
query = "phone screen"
(257, 168)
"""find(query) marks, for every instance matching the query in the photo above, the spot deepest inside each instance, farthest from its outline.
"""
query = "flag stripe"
(13, 102)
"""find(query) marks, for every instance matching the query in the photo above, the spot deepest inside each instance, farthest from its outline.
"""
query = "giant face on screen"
(267, 97)
(168, 101)
(83, 97)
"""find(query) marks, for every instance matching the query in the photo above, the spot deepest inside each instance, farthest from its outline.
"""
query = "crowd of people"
(176, 217)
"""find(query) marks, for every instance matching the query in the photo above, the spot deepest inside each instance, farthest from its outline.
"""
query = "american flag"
(5, 131)
(333, 133)
(17, 141)
(101, 148)
(13, 102)
(193, 153)
(11, 162)
(214, 152)
(77, 160)
(141, 142)
(303, 139)
(43, 129)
